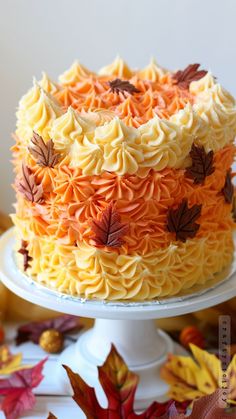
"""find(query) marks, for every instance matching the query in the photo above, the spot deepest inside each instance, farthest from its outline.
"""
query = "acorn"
(51, 341)
(191, 334)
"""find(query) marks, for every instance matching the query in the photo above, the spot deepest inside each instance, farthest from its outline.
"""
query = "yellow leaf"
(210, 372)
(181, 373)
(8, 362)
(231, 376)
(192, 378)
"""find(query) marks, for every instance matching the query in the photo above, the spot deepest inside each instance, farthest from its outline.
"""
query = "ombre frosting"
(132, 151)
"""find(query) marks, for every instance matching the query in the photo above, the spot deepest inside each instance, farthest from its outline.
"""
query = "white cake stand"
(130, 326)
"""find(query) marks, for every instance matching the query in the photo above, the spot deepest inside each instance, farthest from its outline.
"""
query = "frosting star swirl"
(92, 273)
(69, 128)
(37, 111)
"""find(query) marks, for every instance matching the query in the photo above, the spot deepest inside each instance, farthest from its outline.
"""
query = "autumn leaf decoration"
(24, 251)
(119, 385)
(28, 186)
(108, 230)
(183, 78)
(228, 189)
(17, 390)
(118, 85)
(190, 378)
(181, 220)
(9, 362)
(32, 331)
(202, 164)
(43, 153)
(207, 407)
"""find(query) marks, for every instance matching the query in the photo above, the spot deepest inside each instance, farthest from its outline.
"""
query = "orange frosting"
(160, 98)
(72, 199)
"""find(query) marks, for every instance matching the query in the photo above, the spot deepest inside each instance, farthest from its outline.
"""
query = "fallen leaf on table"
(16, 390)
(207, 407)
(190, 379)
(119, 385)
(32, 331)
(9, 362)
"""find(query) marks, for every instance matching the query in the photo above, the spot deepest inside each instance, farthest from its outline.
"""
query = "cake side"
(123, 181)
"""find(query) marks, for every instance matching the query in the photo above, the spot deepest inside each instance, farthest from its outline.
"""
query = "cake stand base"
(143, 347)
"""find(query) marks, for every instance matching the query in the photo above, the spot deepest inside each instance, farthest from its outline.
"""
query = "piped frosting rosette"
(123, 181)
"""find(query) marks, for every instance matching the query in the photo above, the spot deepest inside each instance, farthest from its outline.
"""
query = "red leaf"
(119, 385)
(207, 407)
(109, 230)
(32, 331)
(85, 396)
(17, 390)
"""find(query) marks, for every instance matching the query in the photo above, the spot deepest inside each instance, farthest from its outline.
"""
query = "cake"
(123, 181)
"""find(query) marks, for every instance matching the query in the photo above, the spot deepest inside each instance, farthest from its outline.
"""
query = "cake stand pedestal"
(130, 326)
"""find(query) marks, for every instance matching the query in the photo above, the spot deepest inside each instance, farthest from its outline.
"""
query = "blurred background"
(50, 34)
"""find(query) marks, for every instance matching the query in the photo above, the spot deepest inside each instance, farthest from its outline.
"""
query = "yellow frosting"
(152, 72)
(202, 85)
(117, 68)
(47, 85)
(163, 144)
(74, 74)
(217, 109)
(87, 156)
(37, 111)
(99, 116)
(93, 273)
(122, 153)
(70, 127)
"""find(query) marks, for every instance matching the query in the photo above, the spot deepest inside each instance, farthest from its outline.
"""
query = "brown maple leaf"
(28, 186)
(109, 230)
(202, 164)
(228, 188)
(181, 221)
(44, 153)
(23, 251)
(122, 86)
(183, 78)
